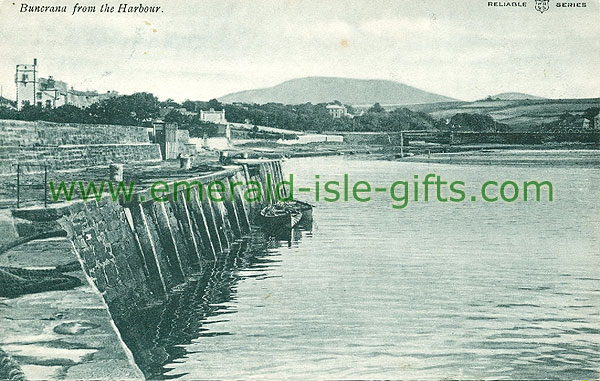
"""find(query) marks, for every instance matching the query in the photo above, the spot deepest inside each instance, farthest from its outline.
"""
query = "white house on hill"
(337, 111)
(213, 116)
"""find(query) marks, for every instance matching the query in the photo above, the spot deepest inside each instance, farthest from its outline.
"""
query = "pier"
(125, 256)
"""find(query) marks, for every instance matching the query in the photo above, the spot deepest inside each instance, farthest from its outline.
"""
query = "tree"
(169, 103)
(69, 114)
(215, 104)
(9, 113)
(175, 116)
(591, 112)
(376, 108)
(567, 119)
(126, 109)
(189, 105)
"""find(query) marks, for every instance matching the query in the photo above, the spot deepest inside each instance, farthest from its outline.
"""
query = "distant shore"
(480, 154)
(522, 156)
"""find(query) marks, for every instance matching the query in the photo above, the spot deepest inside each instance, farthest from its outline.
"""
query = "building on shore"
(213, 116)
(50, 93)
(593, 123)
(337, 111)
(163, 112)
(183, 111)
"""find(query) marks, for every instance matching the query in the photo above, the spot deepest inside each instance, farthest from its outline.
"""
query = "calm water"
(469, 290)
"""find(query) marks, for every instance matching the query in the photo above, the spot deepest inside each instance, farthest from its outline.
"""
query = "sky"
(204, 49)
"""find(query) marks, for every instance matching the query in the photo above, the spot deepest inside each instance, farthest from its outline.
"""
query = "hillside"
(520, 115)
(514, 96)
(327, 89)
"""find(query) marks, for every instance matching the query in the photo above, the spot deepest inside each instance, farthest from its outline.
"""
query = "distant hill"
(327, 89)
(519, 114)
(514, 96)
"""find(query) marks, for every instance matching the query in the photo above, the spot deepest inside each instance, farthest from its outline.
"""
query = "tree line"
(140, 109)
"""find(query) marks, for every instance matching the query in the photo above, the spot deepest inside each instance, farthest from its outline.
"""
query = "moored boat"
(304, 207)
(284, 216)
(306, 222)
(279, 217)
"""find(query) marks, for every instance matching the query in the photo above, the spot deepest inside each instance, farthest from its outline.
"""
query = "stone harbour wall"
(136, 253)
(68, 146)
(69, 157)
(25, 133)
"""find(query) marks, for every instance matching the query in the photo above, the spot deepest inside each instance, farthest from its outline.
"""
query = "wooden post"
(115, 172)
(185, 162)
(228, 135)
(401, 143)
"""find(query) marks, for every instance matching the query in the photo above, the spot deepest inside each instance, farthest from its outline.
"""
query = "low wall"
(25, 133)
(135, 254)
(372, 138)
(69, 145)
(313, 138)
(72, 157)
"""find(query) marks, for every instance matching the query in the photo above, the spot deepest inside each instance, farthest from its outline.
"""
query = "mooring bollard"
(116, 172)
(185, 162)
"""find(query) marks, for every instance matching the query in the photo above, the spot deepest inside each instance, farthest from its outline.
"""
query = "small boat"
(303, 207)
(279, 217)
(306, 222)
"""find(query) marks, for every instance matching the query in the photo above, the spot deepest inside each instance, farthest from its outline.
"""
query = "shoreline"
(480, 154)
(521, 156)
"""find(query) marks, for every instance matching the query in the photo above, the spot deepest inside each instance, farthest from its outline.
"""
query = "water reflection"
(157, 335)
(435, 291)
(291, 236)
